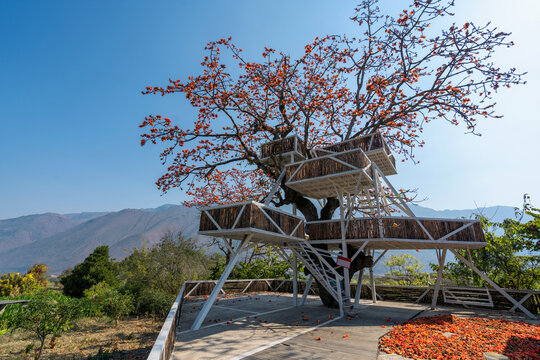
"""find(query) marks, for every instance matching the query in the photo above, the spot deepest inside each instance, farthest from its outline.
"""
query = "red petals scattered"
(427, 338)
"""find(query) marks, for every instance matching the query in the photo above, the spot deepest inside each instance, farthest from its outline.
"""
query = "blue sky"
(71, 73)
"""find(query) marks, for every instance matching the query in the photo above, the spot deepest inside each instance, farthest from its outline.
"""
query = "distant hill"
(28, 229)
(62, 241)
(495, 213)
(73, 240)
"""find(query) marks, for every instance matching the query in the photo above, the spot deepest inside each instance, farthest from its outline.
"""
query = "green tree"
(48, 313)
(155, 303)
(110, 301)
(260, 263)
(511, 258)
(96, 268)
(405, 269)
(164, 267)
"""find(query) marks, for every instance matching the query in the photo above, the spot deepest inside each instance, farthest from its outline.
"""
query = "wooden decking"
(400, 233)
(235, 221)
(321, 177)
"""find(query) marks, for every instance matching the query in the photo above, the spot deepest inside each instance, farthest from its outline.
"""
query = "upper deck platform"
(326, 176)
(373, 145)
(283, 151)
(291, 150)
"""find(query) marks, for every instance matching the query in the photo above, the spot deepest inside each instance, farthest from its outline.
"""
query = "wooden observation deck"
(283, 151)
(342, 168)
(264, 223)
(399, 233)
(353, 171)
(373, 146)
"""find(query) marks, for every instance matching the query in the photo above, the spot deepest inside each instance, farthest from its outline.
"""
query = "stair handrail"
(321, 259)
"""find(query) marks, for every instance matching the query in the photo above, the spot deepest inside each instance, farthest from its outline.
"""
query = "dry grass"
(132, 339)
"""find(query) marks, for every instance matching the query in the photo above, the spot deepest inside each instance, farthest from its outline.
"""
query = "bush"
(14, 284)
(110, 301)
(264, 263)
(164, 267)
(48, 313)
(96, 268)
(155, 304)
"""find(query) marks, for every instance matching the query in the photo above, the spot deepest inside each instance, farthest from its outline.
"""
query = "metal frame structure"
(365, 190)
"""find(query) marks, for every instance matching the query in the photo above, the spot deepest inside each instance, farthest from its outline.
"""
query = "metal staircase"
(318, 262)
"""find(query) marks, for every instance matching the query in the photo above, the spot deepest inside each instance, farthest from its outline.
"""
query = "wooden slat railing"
(396, 228)
(251, 217)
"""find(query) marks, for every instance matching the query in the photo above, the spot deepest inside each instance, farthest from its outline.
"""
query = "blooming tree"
(395, 76)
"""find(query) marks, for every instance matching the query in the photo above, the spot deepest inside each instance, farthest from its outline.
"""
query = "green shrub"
(13, 284)
(96, 268)
(155, 304)
(163, 267)
(48, 313)
(110, 301)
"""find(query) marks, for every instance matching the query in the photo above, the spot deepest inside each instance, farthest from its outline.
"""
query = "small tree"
(110, 301)
(48, 313)
(39, 272)
(164, 267)
(405, 269)
(97, 267)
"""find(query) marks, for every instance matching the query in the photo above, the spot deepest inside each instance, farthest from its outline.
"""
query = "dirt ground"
(132, 339)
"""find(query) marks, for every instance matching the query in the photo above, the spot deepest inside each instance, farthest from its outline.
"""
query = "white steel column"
(346, 280)
(295, 280)
(440, 258)
(372, 282)
(358, 288)
(495, 286)
(306, 290)
(212, 298)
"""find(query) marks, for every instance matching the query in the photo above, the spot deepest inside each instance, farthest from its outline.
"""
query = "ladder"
(318, 261)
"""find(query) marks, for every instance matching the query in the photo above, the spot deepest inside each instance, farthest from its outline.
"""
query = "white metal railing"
(163, 347)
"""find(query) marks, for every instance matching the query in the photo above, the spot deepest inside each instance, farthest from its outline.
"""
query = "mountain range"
(62, 241)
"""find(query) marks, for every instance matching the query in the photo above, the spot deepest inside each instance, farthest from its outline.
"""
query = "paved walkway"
(267, 326)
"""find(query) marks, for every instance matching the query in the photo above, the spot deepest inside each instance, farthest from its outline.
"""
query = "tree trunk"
(308, 209)
(38, 355)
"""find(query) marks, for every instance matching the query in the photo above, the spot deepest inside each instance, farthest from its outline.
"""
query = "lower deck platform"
(268, 326)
